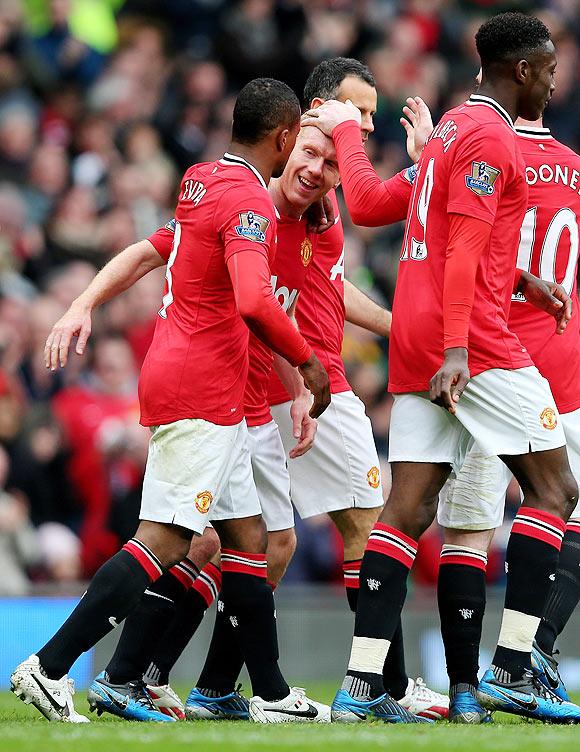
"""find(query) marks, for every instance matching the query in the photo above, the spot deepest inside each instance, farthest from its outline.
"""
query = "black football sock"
(145, 626)
(224, 659)
(395, 679)
(249, 602)
(189, 613)
(113, 593)
(565, 590)
(385, 567)
(461, 599)
(532, 560)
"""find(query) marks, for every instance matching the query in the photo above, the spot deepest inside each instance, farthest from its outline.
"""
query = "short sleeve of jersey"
(246, 221)
(481, 167)
(162, 239)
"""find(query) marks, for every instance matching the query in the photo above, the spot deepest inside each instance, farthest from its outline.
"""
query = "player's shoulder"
(541, 143)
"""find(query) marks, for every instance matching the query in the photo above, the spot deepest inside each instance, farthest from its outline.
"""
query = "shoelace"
(138, 692)
(541, 689)
(422, 690)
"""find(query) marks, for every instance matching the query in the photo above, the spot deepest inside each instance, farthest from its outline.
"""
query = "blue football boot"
(464, 708)
(546, 669)
(130, 701)
(346, 709)
(527, 697)
(230, 707)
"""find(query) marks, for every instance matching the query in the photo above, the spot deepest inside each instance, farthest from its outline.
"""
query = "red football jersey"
(197, 364)
(549, 249)
(320, 312)
(472, 166)
(294, 255)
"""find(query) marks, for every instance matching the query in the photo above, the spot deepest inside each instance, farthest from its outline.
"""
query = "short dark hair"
(510, 36)
(261, 106)
(325, 80)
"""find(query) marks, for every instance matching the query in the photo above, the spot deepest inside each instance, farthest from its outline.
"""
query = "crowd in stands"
(103, 105)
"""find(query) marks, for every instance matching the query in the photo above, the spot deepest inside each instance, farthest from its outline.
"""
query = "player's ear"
(316, 102)
(282, 139)
(522, 72)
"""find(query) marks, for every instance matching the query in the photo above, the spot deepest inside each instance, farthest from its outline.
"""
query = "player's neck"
(254, 154)
(502, 94)
(521, 123)
(281, 202)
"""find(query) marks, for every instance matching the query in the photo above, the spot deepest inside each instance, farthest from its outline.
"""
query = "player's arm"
(364, 312)
(468, 238)
(250, 275)
(118, 275)
(547, 296)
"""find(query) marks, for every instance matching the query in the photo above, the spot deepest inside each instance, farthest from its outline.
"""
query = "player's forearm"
(364, 312)
(371, 201)
(468, 238)
(120, 273)
(263, 315)
(290, 377)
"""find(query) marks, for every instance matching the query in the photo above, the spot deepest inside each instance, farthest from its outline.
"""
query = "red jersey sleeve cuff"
(517, 278)
(303, 355)
(449, 342)
(345, 127)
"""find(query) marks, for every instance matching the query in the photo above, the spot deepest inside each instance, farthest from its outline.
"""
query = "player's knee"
(204, 548)
(411, 519)
(281, 547)
(561, 498)
(570, 493)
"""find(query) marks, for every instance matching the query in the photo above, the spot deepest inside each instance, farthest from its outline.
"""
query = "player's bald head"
(510, 37)
(263, 106)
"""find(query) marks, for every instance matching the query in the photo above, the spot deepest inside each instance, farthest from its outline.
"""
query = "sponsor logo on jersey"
(203, 501)
(253, 226)
(306, 251)
(548, 418)
(482, 178)
(374, 477)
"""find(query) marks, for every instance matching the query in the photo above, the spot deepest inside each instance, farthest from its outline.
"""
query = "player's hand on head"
(547, 296)
(316, 381)
(448, 384)
(75, 322)
(417, 124)
(321, 215)
(330, 114)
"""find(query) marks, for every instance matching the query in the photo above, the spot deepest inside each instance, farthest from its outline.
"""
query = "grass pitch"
(22, 729)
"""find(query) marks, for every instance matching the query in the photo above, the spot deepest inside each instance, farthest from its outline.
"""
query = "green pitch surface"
(22, 729)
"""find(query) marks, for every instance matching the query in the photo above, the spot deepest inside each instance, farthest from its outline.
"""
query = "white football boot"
(424, 702)
(167, 701)
(294, 708)
(52, 697)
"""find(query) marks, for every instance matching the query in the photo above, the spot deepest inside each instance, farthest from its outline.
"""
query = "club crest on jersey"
(306, 251)
(374, 477)
(548, 418)
(252, 226)
(203, 501)
(482, 178)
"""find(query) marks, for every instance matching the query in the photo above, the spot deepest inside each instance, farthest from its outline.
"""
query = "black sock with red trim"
(113, 593)
(249, 603)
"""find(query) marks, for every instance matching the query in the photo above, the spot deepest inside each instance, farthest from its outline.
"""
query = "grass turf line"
(22, 729)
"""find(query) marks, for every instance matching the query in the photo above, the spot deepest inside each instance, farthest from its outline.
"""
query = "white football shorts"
(341, 470)
(475, 499)
(271, 478)
(193, 468)
(505, 412)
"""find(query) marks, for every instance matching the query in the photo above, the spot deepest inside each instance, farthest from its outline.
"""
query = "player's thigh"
(271, 476)
(341, 470)
(474, 496)
(571, 423)
(188, 464)
(425, 442)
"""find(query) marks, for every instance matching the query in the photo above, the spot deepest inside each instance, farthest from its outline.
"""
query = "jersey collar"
(530, 131)
(233, 159)
(489, 102)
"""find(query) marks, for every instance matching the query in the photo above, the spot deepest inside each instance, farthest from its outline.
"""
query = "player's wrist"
(457, 351)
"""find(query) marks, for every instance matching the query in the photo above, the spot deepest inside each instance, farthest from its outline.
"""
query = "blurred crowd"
(103, 104)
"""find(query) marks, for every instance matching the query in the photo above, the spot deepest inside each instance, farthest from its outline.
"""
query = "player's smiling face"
(542, 83)
(312, 169)
(364, 97)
